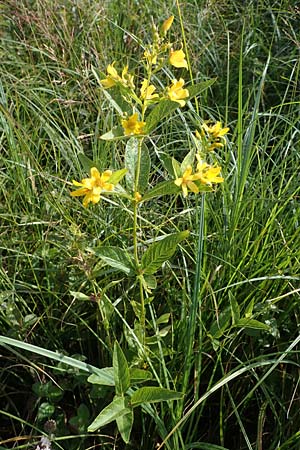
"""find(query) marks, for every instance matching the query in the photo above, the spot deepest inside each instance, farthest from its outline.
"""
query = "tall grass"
(241, 262)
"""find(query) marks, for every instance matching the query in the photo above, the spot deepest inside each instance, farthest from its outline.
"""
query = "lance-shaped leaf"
(125, 423)
(86, 162)
(152, 394)
(117, 258)
(188, 161)
(160, 251)
(114, 134)
(131, 160)
(117, 176)
(105, 376)
(111, 412)
(163, 188)
(166, 107)
(121, 370)
(253, 324)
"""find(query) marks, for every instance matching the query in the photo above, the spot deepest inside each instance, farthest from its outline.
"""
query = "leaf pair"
(126, 398)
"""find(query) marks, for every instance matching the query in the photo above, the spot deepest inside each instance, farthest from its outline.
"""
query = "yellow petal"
(167, 24)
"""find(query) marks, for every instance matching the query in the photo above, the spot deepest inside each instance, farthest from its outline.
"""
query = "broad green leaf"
(163, 188)
(125, 423)
(139, 375)
(252, 323)
(112, 411)
(114, 134)
(104, 377)
(115, 257)
(152, 394)
(121, 370)
(160, 251)
(166, 107)
(131, 159)
(221, 324)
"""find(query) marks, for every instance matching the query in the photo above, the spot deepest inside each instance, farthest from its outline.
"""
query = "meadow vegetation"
(161, 310)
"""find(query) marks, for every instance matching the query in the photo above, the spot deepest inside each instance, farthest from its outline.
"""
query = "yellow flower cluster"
(132, 126)
(157, 53)
(212, 136)
(114, 79)
(92, 187)
(205, 174)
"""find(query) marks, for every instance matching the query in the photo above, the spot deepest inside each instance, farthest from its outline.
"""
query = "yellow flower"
(151, 56)
(215, 131)
(207, 174)
(167, 24)
(92, 187)
(187, 182)
(177, 58)
(132, 125)
(113, 78)
(176, 93)
(147, 91)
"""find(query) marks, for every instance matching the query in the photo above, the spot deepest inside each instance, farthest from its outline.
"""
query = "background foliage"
(51, 110)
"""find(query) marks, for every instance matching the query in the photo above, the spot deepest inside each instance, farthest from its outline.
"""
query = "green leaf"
(163, 188)
(221, 324)
(188, 161)
(131, 158)
(160, 251)
(115, 257)
(117, 176)
(152, 394)
(104, 376)
(252, 323)
(166, 107)
(235, 310)
(176, 168)
(249, 308)
(139, 375)
(114, 134)
(149, 282)
(121, 370)
(196, 89)
(163, 318)
(163, 109)
(125, 423)
(112, 411)
(45, 411)
(86, 162)
(167, 163)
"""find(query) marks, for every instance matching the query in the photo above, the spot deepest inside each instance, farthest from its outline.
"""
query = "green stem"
(135, 243)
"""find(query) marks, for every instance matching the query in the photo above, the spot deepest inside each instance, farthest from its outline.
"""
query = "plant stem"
(135, 243)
